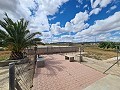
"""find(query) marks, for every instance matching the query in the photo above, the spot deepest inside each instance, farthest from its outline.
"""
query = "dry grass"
(4, 55)
(98, 53)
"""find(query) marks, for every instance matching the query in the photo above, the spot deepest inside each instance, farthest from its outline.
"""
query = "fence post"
(35, 49)
(47, 49)
(80, 57)
(12, 76)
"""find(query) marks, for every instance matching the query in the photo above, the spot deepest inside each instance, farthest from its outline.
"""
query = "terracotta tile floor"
(60, 74)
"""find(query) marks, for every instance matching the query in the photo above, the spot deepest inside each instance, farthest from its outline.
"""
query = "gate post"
(35, 57)
(12, 76)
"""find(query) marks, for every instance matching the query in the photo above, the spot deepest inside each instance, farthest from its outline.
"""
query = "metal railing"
(117, 62)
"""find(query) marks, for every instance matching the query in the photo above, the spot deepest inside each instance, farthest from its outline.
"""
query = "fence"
(21, 73)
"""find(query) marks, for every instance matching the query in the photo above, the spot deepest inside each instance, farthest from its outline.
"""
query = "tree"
(107, 45)
(16, 37)
(103, 45)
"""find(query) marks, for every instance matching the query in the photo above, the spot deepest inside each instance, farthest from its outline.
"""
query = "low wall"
(20, 61)
(54, 49)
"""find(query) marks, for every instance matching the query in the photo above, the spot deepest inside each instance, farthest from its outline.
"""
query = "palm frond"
(30, 36)
(16, 35)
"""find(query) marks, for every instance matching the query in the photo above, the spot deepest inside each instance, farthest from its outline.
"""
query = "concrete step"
(109, 82)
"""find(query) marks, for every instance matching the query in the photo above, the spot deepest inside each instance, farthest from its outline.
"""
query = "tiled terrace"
(60, 74)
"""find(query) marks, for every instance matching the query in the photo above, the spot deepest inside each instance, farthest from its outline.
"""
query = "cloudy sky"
(68, 20)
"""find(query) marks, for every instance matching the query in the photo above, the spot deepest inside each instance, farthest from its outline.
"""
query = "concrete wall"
(53, 50)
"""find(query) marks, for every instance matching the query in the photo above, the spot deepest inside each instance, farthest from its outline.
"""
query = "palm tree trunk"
(16, 55)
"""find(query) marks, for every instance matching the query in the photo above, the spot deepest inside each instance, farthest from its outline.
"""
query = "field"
(100, 54)
(4, 55)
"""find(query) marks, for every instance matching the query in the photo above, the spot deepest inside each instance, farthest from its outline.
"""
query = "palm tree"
(16, 37)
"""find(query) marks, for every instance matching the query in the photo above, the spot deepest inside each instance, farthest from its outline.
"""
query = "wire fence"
(24, 74)
(23, 71)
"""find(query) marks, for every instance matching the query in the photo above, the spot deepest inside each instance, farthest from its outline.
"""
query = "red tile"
(60, 74)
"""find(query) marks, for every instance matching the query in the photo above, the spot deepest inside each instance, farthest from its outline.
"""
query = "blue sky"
(68, 20)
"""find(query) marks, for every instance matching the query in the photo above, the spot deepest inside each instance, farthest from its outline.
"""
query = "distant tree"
(113, 45)
(102, 45)
(70, 43)
(107, 45)
(16, 37)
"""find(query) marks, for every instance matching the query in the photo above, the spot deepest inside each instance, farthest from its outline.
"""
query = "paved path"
(60, 74)
(109, 82)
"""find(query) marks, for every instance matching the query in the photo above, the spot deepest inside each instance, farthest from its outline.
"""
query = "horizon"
(68, 20)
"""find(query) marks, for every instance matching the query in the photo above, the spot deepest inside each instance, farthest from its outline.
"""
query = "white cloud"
(50, 7)
(17, 9)
(75, 25)
(46, 7)
(77, 6)
(80, 17)
(104, 3)
(39, 23)
(68, 27)
(80, 1)
(112, 8)
(104, 37)
(115, 39)
(85, 6)
(101, 26)
(98, 5)
(84, 38)
(47, 37)
(95, 11)
(47, 34)
(99, 37)
(78, 23)
(63, 38)
(66, 38)
(91, 1)
(7, 4)
(52, 18)
(62, 12)
(116, 33)
(56, 29)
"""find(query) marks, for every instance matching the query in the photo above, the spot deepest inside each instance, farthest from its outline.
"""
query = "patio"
(60, 74)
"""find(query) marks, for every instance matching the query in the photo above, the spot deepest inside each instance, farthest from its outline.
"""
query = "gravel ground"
(4, 78)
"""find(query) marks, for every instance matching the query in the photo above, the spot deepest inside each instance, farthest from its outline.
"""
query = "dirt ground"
(4, 55)
(98, 53)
